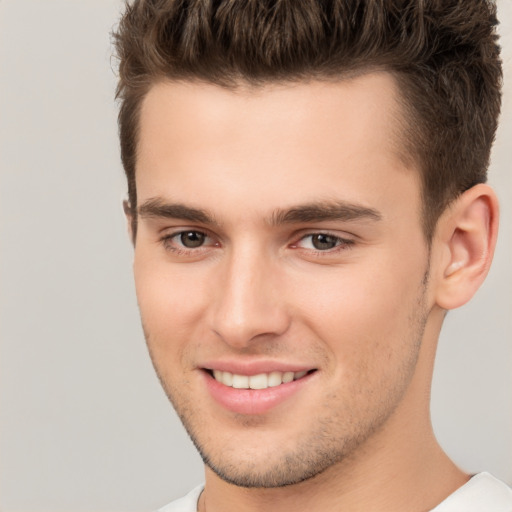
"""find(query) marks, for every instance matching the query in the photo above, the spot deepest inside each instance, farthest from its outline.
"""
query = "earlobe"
(466, 237)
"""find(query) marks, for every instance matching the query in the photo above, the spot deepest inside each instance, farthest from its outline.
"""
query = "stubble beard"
(319, 449)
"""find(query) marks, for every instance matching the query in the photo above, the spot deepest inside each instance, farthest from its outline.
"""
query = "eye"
(322, 242)
(191, 239)
(187, 242)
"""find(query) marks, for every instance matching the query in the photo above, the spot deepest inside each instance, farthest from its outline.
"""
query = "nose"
(249, 303)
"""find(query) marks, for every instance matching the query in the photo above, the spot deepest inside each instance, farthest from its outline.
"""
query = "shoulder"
(483, 493)
(186, 504)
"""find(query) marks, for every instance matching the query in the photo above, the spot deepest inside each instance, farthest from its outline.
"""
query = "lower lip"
(253, 401)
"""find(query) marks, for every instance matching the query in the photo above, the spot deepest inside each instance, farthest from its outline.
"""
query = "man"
(307, 200)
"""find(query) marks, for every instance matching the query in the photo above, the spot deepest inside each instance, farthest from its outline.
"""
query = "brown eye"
(323, 242)
(192, 239)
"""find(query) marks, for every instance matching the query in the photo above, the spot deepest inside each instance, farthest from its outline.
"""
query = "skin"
(364, 314)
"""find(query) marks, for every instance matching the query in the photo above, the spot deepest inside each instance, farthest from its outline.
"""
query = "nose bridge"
(248, 304)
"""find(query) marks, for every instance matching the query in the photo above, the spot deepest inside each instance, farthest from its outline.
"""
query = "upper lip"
(255, 367)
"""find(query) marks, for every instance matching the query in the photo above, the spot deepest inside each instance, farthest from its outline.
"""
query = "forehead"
(186, 107)
(273, 144)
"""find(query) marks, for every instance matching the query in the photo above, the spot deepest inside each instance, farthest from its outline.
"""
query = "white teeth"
(260, 381)
(240, 381)
(287, 377)
(227, 378)
(274, 379)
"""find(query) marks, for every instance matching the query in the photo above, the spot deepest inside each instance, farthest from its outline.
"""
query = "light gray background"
(84, 425)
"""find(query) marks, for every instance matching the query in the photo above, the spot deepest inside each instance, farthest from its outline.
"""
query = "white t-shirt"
(483, 493)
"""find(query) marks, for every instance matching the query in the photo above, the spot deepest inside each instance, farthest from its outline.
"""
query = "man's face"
(279, 237)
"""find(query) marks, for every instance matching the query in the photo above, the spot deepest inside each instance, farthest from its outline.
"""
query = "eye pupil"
(191, 239)
(323, 242)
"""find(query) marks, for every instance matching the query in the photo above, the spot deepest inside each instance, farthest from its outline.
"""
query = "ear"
(464, 245)
(129, 220)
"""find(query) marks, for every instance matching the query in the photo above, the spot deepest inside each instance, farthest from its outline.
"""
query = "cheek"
(171, 302)
(365, 316)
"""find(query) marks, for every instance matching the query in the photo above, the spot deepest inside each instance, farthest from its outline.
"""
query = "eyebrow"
(158, 208)
(310, 212)
(325, 211)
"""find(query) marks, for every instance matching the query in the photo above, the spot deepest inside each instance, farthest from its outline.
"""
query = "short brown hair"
(443, 53)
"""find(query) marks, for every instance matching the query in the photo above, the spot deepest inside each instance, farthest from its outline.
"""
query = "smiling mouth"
(259, 381)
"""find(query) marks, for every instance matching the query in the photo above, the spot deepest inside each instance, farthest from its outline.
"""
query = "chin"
(266, 464)
(287, 471)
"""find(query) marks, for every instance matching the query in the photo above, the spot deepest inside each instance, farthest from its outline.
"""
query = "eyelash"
(169, 243)
(342, 244)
